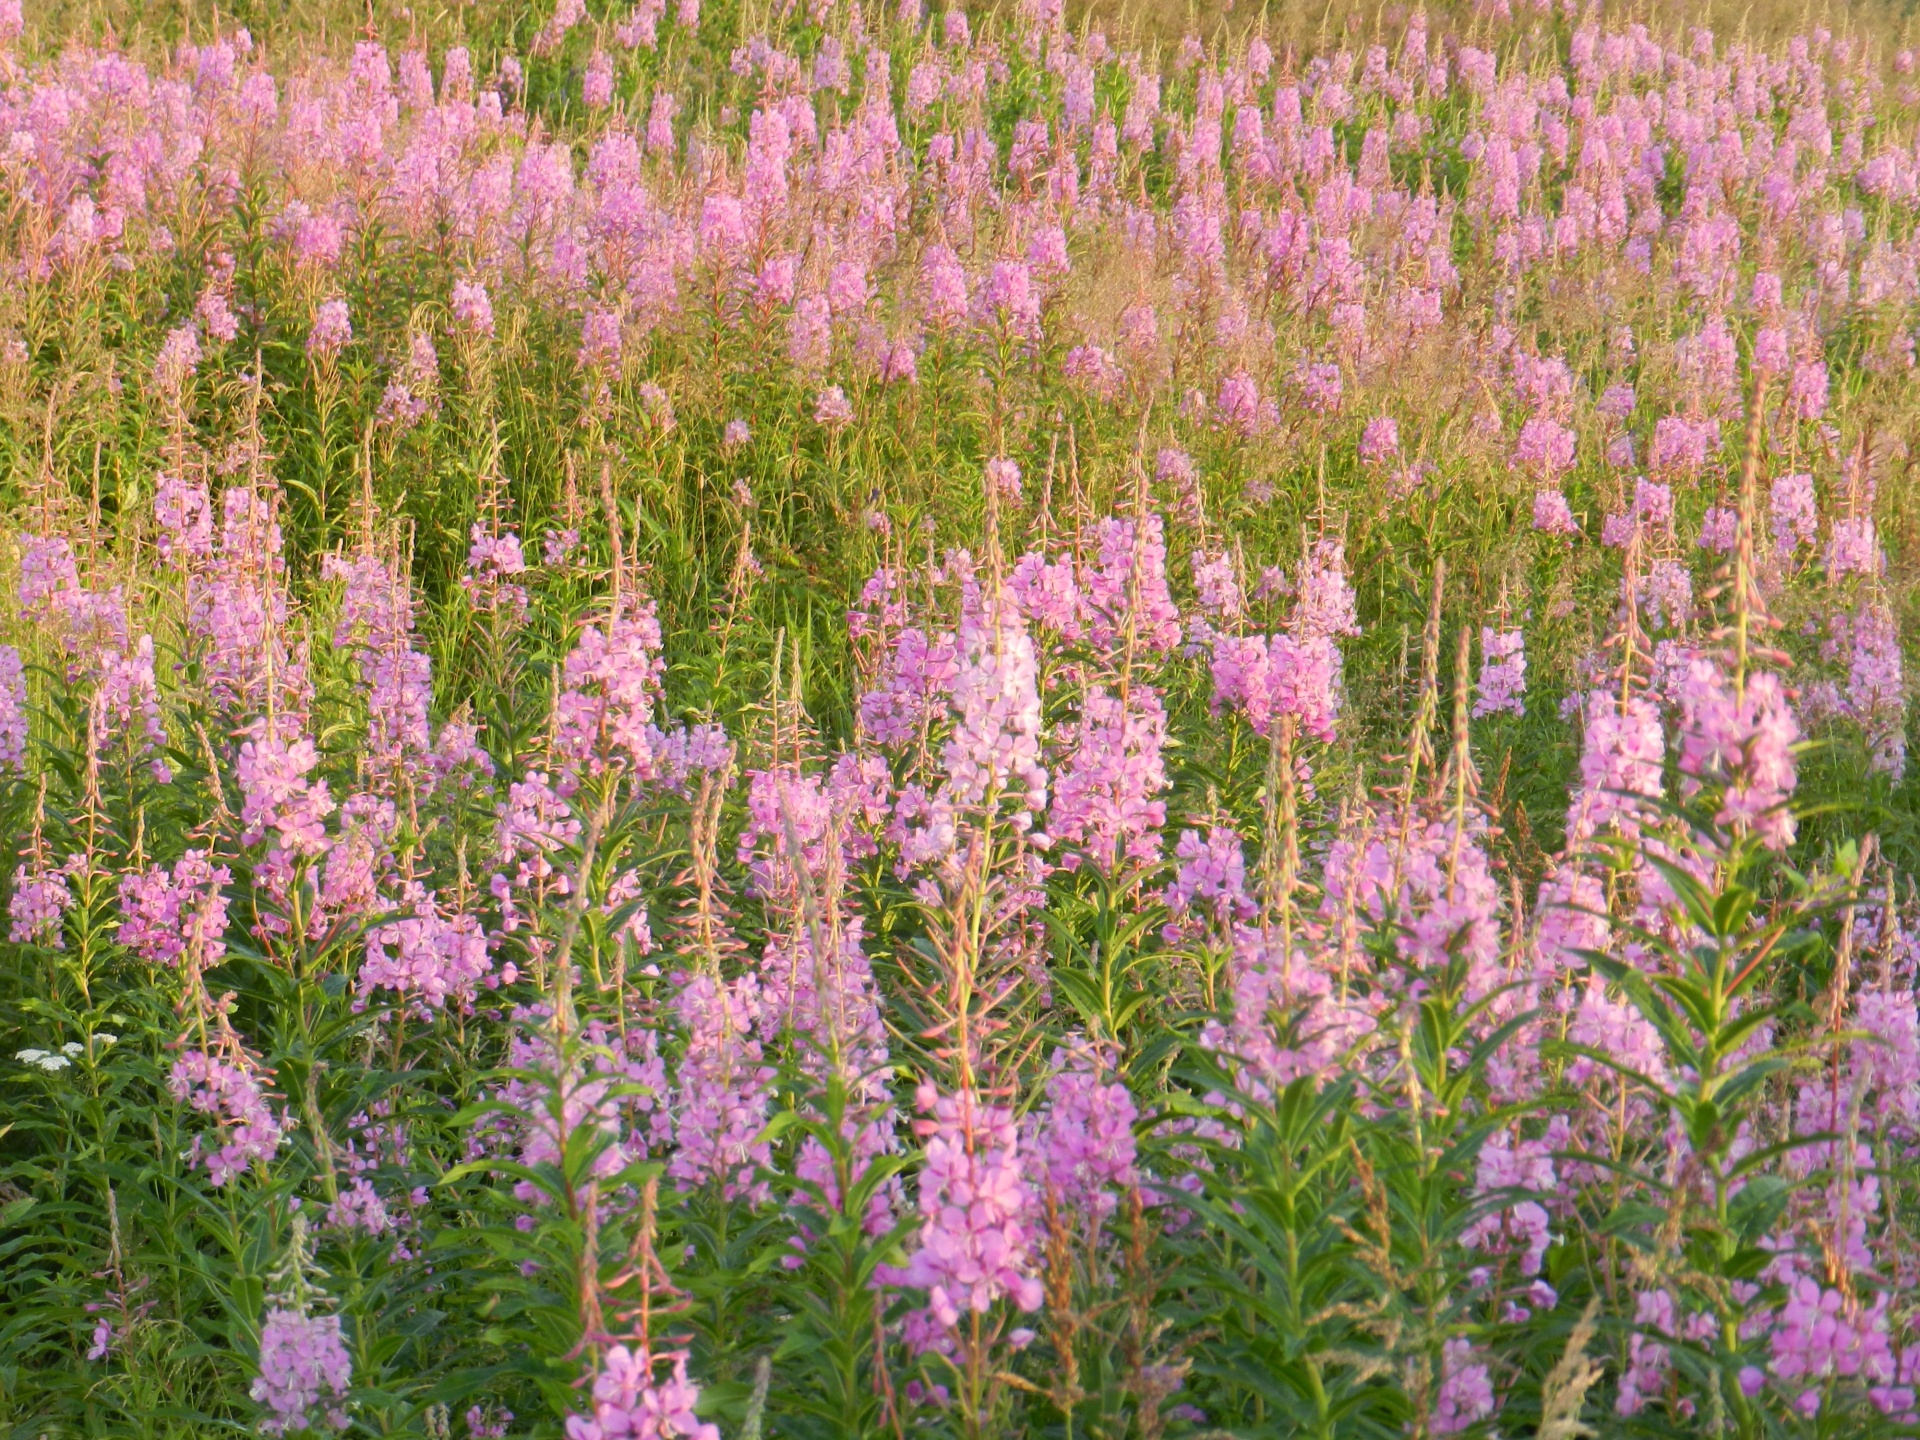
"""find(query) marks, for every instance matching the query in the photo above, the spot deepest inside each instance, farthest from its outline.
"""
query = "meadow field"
(779, 718)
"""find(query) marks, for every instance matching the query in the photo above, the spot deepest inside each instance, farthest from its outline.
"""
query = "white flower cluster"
(55, 1061)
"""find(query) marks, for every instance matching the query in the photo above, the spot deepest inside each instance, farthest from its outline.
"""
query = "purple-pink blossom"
(1553, 515)
(1502, 686)
(177, 912)
(1380, 441)
(1742, 743)
(978, 1241)
(331, 331)
(305, 1373)
(723, 1089)
(1083, 1145)
(630, 1399)
(233, 1093)
(1107, 781)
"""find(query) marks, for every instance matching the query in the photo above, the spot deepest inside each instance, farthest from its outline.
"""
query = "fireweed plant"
(822, 721)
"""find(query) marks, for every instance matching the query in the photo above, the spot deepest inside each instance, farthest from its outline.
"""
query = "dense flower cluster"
(428, 956)
(434, 670)
(304, 1373)
(1503, 673)
(629, 1400)
(977, 1238)
(1085, 1146)
(177, 912)
(232, 1091)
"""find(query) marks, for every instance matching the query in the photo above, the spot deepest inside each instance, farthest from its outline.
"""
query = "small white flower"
(104, 1038)
(45, 1059)
(72, 1047)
